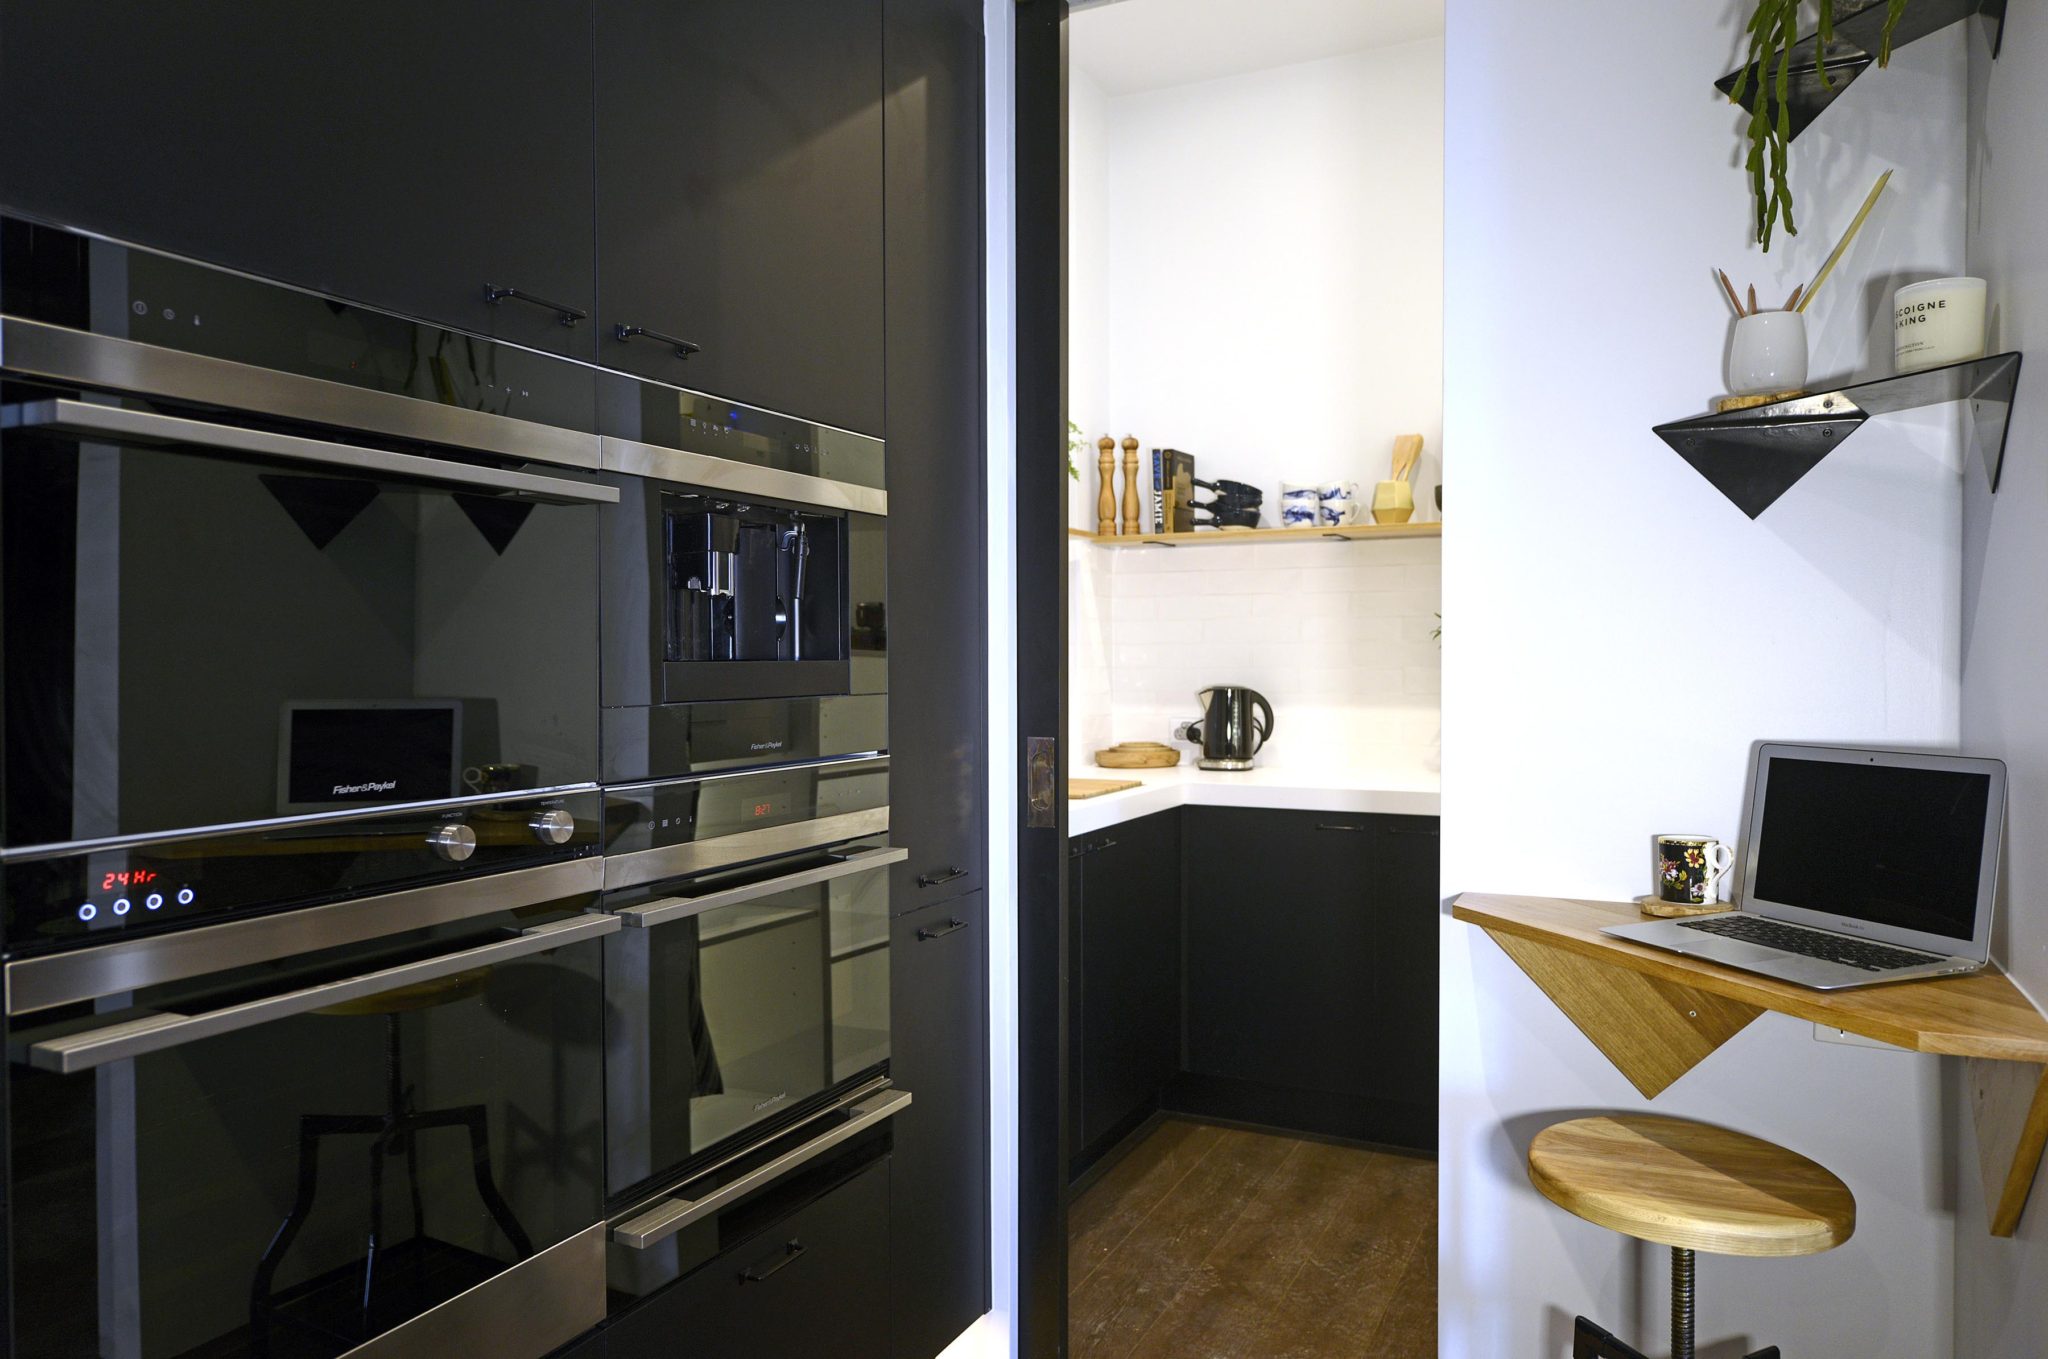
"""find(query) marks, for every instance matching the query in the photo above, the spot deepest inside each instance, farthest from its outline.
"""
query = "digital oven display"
(118, 895)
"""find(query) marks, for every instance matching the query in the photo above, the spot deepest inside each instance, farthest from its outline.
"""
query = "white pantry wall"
(1255, 277)
(2002, 1286)
(1274, 293)
(1618, 634)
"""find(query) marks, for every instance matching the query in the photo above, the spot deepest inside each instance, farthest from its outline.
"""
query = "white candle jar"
(1937, 322)
(1767, 354)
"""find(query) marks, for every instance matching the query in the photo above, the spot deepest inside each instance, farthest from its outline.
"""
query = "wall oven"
(309, 1089)
(265, 554)
(748, 994)
(745, 586)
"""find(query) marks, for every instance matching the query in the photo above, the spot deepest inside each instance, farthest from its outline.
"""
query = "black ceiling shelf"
(1858, 26)
(1754, 456)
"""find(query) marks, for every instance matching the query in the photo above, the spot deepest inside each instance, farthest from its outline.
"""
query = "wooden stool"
(1690, 1186)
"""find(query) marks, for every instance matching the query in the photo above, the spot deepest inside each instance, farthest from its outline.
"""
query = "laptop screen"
(1883, 843)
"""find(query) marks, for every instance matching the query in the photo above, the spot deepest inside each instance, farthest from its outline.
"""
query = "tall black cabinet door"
(739, 199)
(939, 1177)
(938, 709)
(1130, 955)
(399, 154)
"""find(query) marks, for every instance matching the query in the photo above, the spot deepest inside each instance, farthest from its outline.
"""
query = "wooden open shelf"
(1349, 533)
(1656, 1015)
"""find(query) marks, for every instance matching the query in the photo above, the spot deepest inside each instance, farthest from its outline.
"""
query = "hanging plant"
(1767, 83)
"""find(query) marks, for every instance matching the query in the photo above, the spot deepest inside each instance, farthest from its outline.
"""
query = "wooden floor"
(1211, 1242)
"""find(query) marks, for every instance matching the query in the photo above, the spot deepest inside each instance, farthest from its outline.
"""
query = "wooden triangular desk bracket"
(2009, 1103)
(1654, 1031)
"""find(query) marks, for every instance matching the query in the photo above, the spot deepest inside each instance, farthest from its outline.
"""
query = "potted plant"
(1765, 87)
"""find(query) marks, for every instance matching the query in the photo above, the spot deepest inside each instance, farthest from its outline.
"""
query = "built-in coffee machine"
(745, 586)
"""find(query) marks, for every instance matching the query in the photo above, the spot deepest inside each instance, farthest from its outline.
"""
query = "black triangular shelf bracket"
(1859, 25)
(1754, 456)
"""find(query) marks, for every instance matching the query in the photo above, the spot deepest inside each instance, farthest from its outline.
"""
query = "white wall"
(1335, 635)
(1618, 634)
(2002, 1286)
(1275, 268)
(1256, 277)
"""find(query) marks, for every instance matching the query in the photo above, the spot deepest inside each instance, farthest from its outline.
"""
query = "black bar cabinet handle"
(759, 1272)
(683, 348)
(1332, 825)
(934, 879)
(942, 931)
(567, 315)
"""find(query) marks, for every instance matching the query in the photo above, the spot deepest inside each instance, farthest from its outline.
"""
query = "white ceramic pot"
(1767, 353)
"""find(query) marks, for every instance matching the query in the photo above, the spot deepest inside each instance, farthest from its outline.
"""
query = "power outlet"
(1828, 1033)
(1178, 732)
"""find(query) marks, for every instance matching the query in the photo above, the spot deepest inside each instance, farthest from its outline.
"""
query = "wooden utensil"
(1407, 449)
(1842, 246)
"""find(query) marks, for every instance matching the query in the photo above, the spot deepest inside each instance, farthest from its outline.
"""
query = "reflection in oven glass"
(731, 1020)
(292, 1190)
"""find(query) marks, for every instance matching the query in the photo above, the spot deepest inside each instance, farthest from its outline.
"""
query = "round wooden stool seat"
(1691, 1185)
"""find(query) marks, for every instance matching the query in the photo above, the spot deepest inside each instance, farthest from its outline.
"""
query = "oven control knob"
(553, 827)
(452, 841)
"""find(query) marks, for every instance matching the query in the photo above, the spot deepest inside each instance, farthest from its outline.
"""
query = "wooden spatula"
(1407, 449)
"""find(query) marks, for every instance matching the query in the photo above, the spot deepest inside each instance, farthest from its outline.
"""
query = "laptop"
(1859, 867)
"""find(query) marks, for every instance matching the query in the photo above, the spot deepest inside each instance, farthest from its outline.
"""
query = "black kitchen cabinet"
(739, 200)
(939, 1177)
(938, 673)
(1407, 909)
(813, 1283)
(403, 155)
(1125, 956)
(1311, 972)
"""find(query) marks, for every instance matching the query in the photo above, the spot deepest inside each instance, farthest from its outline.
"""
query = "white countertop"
(1399, 792)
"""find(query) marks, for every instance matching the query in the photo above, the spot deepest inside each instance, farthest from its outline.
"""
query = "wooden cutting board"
(1078, 789)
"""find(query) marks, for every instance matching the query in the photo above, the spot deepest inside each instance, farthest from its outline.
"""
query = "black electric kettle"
(1235, 723)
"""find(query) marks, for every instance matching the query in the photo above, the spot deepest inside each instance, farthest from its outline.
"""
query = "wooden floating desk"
(1656, 1015)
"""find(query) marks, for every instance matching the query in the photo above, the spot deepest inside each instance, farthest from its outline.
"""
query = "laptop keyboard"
(1833, 948)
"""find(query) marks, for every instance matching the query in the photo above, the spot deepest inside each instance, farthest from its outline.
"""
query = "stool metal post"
(1681, 1303)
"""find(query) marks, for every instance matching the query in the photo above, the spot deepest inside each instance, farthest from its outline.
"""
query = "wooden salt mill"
(1105, 499)
(1130, 483)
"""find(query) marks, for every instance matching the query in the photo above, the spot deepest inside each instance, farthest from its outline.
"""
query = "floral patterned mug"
(1689, 868)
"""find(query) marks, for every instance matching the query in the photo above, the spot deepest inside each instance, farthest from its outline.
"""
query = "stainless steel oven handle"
(66, 416)
(661, 912)
(153, 1033)
(651, 1226)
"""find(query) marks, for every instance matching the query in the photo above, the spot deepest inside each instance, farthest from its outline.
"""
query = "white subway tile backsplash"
(1336, 635)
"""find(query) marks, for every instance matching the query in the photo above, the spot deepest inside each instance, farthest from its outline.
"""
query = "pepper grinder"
(1105, 499)
(1130, 483)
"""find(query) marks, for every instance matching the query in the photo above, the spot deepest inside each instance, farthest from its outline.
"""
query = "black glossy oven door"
(303, 1156)
(209, 623)
(739, 1003)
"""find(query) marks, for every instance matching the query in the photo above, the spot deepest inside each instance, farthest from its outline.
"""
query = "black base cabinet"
(1312, 972)
(939, 1185)
(815, 1283)
(1123, 1016)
